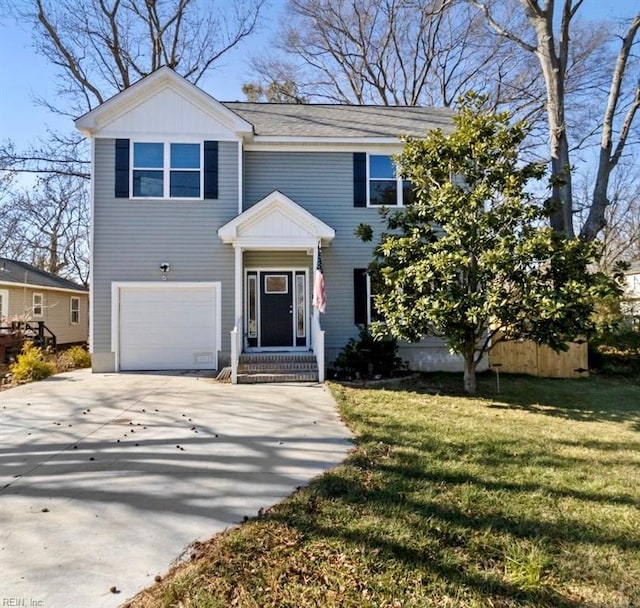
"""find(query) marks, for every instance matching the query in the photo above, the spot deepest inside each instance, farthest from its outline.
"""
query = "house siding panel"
(133, 237)
(277, 259)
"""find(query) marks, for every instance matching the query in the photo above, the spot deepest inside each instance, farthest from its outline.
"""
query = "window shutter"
(122, 168)
(360, 296)
(359, 179)
(210, 169)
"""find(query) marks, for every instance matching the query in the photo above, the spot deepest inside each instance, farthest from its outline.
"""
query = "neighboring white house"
(30, 294)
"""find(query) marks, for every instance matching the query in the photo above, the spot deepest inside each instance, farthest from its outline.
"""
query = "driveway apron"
(105, 479)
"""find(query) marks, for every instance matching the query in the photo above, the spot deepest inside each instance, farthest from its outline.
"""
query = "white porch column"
(237, 335)
(238, 281)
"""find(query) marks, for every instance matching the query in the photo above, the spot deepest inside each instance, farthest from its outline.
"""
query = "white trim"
(317, 145)
(71, 311)
(92, 240)
(166, 168)
(128, 132)
(239, 312)
(309, 223)
(305, 313)
(240, 176)
(268, 244)
(307, 301)
(251, 276)
(150, 136)
(369, 298)
(399, 185)
(116, 286)
(42, 287)
(4, 307)
(310, 139)
(125, 101)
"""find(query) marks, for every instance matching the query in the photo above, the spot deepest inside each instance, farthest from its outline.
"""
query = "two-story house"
(209, 218)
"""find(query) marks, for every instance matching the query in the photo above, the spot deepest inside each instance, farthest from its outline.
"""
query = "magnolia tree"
(473, 259)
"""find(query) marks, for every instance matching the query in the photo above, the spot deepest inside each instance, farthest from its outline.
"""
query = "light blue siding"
(132, 238)
(322, 183)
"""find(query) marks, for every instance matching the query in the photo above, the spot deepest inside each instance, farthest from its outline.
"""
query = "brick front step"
(254, 368)
(276, 367)
(257, 378)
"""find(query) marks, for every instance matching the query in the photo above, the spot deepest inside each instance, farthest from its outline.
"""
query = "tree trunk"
(469, 374)
(553, 64)
(562, 219)
(596, 220)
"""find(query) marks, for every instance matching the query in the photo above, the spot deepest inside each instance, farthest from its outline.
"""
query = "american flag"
(319, 295)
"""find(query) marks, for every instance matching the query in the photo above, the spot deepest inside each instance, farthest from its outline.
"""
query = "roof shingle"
(343, 121)
(12, 271)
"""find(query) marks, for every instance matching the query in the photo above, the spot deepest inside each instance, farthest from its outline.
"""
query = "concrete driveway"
(105, 479)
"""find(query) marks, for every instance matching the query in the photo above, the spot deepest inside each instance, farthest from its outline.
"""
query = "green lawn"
(526, 498)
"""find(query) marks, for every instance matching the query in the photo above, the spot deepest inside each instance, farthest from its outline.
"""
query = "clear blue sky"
(25, 74)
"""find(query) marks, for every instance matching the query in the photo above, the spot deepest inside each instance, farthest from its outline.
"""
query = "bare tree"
(620, 237)
(49, 226)
(101, 47)
(104, 46)
(393, 52)
(551, 38)
(6, 223)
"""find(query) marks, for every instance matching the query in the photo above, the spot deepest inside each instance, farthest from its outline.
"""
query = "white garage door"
(168, 327)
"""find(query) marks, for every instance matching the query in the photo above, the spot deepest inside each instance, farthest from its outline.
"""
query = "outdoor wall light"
(165, 267)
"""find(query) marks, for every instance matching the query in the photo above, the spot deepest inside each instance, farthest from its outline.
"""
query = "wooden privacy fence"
(527, 357)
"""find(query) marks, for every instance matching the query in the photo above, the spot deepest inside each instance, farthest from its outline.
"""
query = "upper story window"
(385, 187)
(167, 170)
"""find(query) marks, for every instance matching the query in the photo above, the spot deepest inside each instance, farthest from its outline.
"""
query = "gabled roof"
(155, 83)
(23, 274)
(269, 121)
(276, 222)
(326, 120)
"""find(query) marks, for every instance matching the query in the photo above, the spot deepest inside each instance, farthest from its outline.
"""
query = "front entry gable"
(276, 222)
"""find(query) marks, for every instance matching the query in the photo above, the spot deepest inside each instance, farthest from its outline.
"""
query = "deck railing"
(14, 333)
